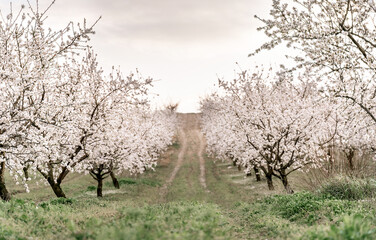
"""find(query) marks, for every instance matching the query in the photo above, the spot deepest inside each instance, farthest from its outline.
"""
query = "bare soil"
(192, 146)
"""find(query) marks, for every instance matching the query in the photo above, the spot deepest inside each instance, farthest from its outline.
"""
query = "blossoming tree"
(28, 87)
(334, 38)
(276, 124)
(59, 113)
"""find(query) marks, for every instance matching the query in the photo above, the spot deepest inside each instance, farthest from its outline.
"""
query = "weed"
(349, 189)
(351, 227)
(91, 188)
(64, 201)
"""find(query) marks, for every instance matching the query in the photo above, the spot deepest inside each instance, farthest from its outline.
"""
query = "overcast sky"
(185, 45)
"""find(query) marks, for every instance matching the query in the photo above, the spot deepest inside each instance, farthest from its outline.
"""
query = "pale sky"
(185, 45)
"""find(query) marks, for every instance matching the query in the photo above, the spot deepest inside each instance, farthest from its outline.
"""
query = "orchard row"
(60, 113)
(292, 118)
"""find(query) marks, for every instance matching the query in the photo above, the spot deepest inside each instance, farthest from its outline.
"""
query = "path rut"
(192, 147)
(202, 177)
(183, 142)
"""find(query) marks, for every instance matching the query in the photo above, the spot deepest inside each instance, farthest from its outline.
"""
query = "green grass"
(307, 208)
(350, 189)
(303, 214)
(339, 210)
(351, 227)
(24, 219)
(130, 181)
(91, 188)
(66, 219)
(175, 220)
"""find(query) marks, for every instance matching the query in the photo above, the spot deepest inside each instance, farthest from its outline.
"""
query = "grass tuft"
(351, 227)
(309, 208)
(91, 188)
(65, 201)
(290, 216)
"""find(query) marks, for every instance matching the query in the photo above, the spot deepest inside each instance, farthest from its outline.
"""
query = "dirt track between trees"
(183, 141)
(192, 147)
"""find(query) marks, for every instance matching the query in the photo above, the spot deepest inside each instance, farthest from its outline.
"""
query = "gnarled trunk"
(268, 171)
(49, 175)
(4, 194)
(58, 191)
(285, 182)
(55, 185)
(56, 188)
(114, 180)
(287, 185)
(269, 180)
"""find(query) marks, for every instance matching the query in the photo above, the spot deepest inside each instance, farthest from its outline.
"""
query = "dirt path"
(192, 147)
(183, 141)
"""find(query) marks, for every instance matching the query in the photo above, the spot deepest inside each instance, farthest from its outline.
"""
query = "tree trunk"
(55, 185)
(331, 161)
(99, 188)
(58, 191)
(49, 176)
(4, 194)
(286, 184)
(99, 174)
(350, 159)
(269, 180)
(268, 174)
(257, 173)
(239, 168)
(56, 188)
(26, 172)
(114, 180)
